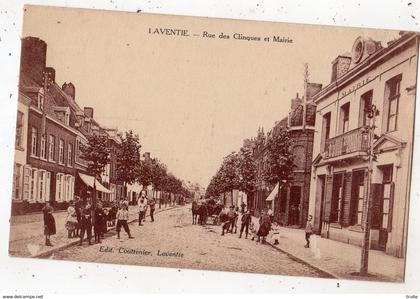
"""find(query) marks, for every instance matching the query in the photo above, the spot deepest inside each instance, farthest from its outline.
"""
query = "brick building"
(291, 208)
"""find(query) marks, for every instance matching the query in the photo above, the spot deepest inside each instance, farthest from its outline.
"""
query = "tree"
(158, 175)
(279, 162)
(228, 176)
(128, 159)
(144, 174)
(97, 155)
(247, 171)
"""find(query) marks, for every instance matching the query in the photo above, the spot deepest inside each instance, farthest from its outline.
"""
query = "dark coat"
(265, 226)
(246, 218)
(49, 221)
(99, 218)
(86, 221)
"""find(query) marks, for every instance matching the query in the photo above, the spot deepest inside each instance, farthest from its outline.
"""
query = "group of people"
(259, 231)
(82, 218)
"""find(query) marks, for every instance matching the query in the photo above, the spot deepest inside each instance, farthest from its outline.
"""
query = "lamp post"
(372, 112)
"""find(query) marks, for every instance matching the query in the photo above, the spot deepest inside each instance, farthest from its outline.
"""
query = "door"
(294, 205)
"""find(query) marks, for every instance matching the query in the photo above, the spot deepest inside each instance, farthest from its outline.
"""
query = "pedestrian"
(142, 206)
(78, 208)
(243, 205)
(99, 222)
(71, 220)
(308, 231)
(122, 219)
(86, 224)
(234, 220)
(49, 223)
(152, 204)
(245, 221)
(265, 226)
(276, 232)
(253, 230)
(224, 219)
(270, 214)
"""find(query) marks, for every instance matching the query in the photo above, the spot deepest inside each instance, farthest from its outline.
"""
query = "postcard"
(213, 144)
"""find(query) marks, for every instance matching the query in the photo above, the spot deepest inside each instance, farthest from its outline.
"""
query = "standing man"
(122, 221)
(86, 224)
(245, 221)
(152, 204)
(142, 206)
(243, 205)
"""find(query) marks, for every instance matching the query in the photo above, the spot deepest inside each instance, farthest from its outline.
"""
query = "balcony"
(351, 144)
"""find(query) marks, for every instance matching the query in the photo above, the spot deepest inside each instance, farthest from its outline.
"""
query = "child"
(99, 220)
(49, 223)
(276, 233)
(86, 224)
(308, 231)
(253, 231)
(122, 218)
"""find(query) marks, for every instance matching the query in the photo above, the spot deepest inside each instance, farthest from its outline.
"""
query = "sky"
(192, 100)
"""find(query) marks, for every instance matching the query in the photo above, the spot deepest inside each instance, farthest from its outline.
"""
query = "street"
(172, 241)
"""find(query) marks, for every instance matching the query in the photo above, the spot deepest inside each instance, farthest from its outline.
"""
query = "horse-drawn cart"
(206, 211)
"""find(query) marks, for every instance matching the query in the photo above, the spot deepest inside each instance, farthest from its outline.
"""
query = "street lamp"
(371, 113)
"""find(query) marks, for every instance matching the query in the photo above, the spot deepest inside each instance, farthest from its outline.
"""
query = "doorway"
(294, 205)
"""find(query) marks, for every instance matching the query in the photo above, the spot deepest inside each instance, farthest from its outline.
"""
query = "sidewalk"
(27, 233)
(338, 259)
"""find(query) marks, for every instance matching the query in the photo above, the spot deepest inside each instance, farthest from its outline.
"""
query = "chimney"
(33, 58)
(340, 66)
(146, 156)
(49, 76)
(88, 112)
(69, 89)
(295, 102)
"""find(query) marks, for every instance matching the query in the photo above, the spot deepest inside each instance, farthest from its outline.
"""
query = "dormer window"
(40, 103)
(66, 118)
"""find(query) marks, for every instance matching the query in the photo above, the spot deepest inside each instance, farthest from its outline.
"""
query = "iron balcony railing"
(350, 142)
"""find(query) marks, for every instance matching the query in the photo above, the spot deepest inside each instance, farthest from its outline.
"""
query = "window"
(34, 141)
(365, 105)
(19, 130)
(70, 154)
(66, 118)
(61, 152)
(51, 148)
(344, 115)
(337, 198)
(326, 125)
(17, 181)
(392, 91)
(387, 182)
(43, 148)
(59, 187)
(358, 194)
(33, 185)
(40, 103)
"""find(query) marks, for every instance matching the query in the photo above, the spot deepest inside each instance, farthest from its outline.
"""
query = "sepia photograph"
(213, 144)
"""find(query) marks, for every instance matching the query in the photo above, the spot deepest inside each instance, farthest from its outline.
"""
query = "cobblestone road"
(191, 246)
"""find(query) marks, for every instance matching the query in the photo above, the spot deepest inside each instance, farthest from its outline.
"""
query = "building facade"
(369, 75)
(291, 204)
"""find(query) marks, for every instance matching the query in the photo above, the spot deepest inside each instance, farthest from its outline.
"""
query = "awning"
(89, 180)
(273, 193)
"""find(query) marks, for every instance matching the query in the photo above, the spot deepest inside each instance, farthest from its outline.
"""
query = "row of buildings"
(329, 126)
(50, 129)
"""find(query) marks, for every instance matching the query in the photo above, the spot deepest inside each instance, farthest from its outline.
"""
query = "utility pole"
(305, 87)
(367, 202)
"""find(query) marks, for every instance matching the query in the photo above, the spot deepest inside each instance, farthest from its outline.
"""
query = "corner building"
(384, 76)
